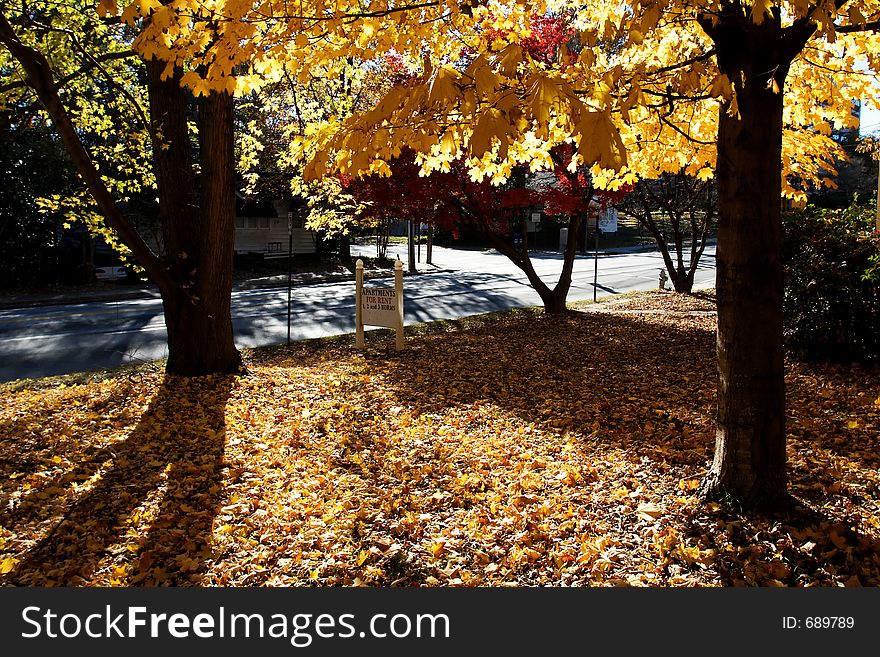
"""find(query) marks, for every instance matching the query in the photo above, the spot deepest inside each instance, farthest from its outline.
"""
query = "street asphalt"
(41, 336)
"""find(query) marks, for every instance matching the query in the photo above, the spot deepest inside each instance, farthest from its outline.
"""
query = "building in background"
(261, 228)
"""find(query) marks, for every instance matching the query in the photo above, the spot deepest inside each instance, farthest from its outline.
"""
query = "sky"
(870, 120)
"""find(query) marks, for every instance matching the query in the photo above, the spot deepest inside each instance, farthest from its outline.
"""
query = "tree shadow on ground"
(168, 470)
(803, 547)
(611, 377)
(648, 387)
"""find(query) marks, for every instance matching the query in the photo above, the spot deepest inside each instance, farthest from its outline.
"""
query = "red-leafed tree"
(403, 196)
(452, 199)
(497, 212)
(551, 36)
(567, 194)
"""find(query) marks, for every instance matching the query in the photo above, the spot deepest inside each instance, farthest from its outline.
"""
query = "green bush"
(832, 283)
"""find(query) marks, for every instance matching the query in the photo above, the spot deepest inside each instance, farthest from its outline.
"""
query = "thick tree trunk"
(749, 467)
(211, 343)
(429, 253)
(198, 227)
(411, 246)
(563, 285)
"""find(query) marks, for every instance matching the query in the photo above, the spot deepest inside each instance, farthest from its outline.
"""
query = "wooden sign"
(379, 305)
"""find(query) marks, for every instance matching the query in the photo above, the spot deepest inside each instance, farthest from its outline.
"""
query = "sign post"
(379, 306)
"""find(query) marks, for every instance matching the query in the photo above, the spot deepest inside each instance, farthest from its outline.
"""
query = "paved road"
(78, 337)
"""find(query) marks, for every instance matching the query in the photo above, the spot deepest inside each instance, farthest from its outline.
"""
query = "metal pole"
(410, 247)
(877, 225)
(596, 263)
(289, 268)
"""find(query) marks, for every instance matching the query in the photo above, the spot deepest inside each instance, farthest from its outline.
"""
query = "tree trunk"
(345, 252)
(749, 467)
(198, 227)
(563, 285)
(681, 276)
(554, 300)
(411, 246)
(217, 353)
(682, 282)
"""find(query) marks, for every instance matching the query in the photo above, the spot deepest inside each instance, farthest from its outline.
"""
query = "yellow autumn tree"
(196, 195)
(213, 49)
(750, 88)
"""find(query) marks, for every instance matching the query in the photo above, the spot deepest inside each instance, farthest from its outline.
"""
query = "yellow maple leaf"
(8, 565)
(721, 87)
(107, 7)
(443, 91)
(492, 123)
(599, 141)
(760, 9)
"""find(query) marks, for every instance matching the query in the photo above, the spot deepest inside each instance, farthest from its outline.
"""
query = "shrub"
(832, 283)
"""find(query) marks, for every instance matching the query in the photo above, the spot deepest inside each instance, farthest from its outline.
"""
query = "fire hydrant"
(663, 279)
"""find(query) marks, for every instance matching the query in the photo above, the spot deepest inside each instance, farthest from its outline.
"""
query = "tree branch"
(693, 60)
(82, 70)
(40, 78)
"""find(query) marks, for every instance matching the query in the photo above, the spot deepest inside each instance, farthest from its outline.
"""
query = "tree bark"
(429, 253)
(411, 246)
(212, 348)
(198, 217)
(749, 466)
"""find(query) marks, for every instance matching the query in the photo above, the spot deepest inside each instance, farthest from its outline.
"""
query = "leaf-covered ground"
(514, 449)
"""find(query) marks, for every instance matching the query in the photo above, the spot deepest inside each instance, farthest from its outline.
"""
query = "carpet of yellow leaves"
(508, 450)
